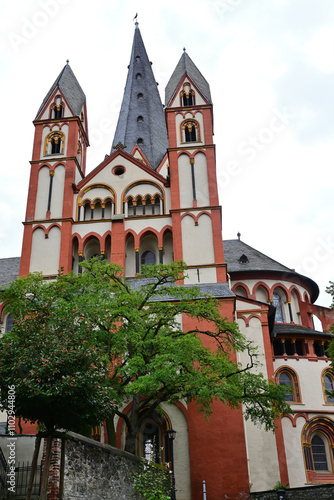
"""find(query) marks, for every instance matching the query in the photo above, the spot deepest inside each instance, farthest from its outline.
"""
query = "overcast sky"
(270, 65)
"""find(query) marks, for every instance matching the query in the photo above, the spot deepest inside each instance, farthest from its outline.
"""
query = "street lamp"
(171, 436)
(281, 494)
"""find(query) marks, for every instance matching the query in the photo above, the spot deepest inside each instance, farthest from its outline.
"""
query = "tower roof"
(142, 116)
(70, 88)
(186, 66)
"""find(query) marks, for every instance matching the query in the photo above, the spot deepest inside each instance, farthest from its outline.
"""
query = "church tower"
(153, 200)
(194, 194)
(58, 163)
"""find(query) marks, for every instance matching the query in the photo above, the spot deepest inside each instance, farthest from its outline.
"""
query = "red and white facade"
(132, 213)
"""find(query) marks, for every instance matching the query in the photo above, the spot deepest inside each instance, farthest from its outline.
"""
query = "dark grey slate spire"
(186, 66)
(142, 115)
(69, 86)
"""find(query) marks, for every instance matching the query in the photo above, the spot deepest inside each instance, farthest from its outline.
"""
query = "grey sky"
(270, 66)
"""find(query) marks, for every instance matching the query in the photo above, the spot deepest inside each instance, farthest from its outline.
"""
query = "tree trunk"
(33, 466)
(111, 433)
(132, 431)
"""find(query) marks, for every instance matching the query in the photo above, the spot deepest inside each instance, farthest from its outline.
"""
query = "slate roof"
(297, 330)
(186, 65)
(256, 261)
(70, 88)
(216, 290)
(9, 270)
(244, 258)
(152, 128)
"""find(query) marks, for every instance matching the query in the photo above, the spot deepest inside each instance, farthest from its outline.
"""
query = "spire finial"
(67, 61)
(135, 19)
(184, 49)
(239, 234)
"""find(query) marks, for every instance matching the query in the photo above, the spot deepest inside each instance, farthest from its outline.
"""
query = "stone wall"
(315, 492)
(96, 471)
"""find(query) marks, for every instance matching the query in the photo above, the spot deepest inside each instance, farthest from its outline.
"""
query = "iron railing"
(22, 475)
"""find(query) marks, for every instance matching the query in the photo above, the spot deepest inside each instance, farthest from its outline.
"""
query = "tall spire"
(141, 120)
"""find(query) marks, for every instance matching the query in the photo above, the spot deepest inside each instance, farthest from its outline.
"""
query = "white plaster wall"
(181, 451)
(310, 383)
(168, 248)
(201, 180)
(197, 241)
(157, 223)
(42, 193)
(130, 257)
(261, 294)
(45, 252)
(185, 181)
(99, 227)
(78, 176)
(294, 451)
(261, 445)
(176, 100)
(270, 282)
(162, 170)
(58, 192)
(98, 192)
(119, 183)
(295, 308)
(201, 275)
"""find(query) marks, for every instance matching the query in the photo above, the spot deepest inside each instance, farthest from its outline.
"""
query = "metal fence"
(22, 475)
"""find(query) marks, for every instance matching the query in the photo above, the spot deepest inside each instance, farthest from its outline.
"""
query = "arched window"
(319, 453)
(287, 378)
(148, 205)
(131, 207)
(139, 206)
(187, 95)
(277, 303)
(156, 206)
(318, 445)
(147, 258)
(57, 111)
(9, 323)
(54, 143)
(328, 386)
(87, 211)
(190, 131)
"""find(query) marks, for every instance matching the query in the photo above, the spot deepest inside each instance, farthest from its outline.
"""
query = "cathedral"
(154, 199)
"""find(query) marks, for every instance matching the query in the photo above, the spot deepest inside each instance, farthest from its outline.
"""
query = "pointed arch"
(240, 284)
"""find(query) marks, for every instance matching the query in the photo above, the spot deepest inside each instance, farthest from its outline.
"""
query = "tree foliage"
(143, 341)
(57, 371)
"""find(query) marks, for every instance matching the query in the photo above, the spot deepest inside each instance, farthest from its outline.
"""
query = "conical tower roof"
(70, 88)
(186, 66)
(141, 120)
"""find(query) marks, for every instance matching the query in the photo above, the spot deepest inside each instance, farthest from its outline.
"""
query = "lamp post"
(281, 494)
(171, 436)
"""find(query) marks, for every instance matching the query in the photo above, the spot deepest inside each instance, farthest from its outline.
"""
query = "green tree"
(150, 335)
